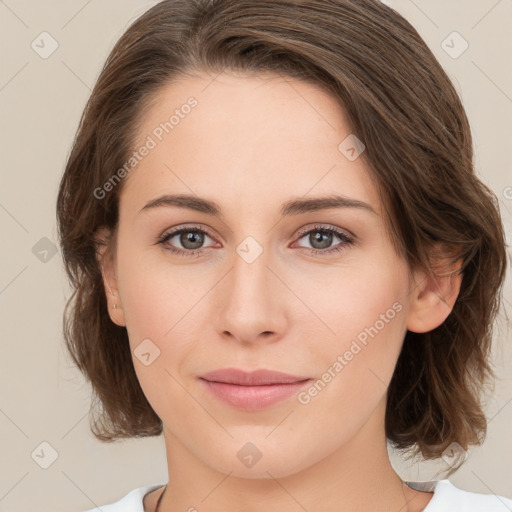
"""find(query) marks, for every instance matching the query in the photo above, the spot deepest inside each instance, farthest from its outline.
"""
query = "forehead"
(250, 135)
(248, 99)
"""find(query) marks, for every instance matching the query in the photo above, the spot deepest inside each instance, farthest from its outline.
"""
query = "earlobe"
(107, 268)
(433, 298)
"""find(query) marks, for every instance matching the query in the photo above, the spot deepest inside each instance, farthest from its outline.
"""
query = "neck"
(357, 476)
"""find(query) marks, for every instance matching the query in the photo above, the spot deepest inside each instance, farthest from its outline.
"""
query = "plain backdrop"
(44, 400)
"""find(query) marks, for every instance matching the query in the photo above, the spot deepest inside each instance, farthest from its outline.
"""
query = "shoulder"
(448, 498)
(131, 502)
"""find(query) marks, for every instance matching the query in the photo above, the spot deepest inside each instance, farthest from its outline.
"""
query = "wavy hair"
(398, 101)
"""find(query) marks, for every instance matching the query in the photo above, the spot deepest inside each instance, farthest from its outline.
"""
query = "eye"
(321, 238)
(191, 238)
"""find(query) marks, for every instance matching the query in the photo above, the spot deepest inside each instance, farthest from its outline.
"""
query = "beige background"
(43, 398)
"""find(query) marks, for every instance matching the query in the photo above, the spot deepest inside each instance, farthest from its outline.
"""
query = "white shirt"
(446, 498)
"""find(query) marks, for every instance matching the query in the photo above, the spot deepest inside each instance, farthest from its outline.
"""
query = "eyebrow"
(292, 207)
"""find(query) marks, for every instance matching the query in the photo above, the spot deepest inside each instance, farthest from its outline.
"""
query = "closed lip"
(258, 377)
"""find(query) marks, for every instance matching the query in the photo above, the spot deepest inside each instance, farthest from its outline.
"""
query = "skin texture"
(251, 144)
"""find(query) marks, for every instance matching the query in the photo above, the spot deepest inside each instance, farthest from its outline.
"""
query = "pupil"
(189, 237)
(318, 237)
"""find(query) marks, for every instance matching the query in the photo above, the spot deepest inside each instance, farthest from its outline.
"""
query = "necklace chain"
(160, 499)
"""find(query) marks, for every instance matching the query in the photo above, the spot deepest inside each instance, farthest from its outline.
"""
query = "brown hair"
(399, 102)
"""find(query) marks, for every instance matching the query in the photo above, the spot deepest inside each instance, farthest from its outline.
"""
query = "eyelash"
(347, 240)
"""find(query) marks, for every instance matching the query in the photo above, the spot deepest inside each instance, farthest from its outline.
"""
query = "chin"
(249, 461)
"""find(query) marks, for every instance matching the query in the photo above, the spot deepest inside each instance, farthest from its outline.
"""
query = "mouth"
(252, 391)
(259, 377)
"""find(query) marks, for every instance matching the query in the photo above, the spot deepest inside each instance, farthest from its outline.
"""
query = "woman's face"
(256, 289)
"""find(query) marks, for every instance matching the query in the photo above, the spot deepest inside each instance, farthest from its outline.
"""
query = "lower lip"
(252, 398)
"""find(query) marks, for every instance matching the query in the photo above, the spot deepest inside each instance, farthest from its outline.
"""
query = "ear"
(105, 258)
(434, 296)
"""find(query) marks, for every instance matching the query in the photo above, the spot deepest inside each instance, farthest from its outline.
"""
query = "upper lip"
(251, 378)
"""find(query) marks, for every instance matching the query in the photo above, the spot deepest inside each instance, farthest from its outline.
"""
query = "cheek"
(354, 298)
(155, 293)
(363, 315)
(158, 303)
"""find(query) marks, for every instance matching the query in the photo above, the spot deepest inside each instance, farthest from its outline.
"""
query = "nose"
(252, 302)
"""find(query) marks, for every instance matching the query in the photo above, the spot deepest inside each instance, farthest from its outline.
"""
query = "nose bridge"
(250, 303)
(252, 254)
(250, 276)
